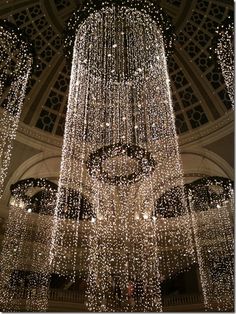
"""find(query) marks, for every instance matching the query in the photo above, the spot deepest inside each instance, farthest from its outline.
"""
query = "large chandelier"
(211, 202)
(15, 66)
(25, 267)
(120, 151)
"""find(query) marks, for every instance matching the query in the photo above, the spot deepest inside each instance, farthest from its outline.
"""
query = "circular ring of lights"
(146, 163)
(171, 203)
(20, 188)
(145, 6)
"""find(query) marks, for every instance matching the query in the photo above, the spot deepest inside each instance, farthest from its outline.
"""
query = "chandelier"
(211, 202)
(25, 268)
(120, 151)
(15, 66)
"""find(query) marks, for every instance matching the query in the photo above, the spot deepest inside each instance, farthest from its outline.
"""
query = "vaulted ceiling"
(198, 89)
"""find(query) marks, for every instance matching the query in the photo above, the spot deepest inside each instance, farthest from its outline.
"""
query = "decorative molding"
(210, 132)
(23, 168)
(211, 156)
(37, 137)
(204, 135)
(195, 174)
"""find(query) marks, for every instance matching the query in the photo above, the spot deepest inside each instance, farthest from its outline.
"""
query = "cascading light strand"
(25, 269)
(225, 54)
(15, 66)
(211, 204)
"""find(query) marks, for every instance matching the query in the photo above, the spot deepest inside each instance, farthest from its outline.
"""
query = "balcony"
(65, 300)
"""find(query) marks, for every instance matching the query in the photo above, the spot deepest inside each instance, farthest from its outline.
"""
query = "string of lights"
(15, 66)
(211, 203)
(25, 269)
(149, 7)
(225, 54)
(120, 151)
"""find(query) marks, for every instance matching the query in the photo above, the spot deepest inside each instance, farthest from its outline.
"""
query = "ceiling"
(198, 89)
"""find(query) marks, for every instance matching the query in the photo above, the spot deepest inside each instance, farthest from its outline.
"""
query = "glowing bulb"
(21, 204)
(136, 216)
(154, 218)
(145, 216)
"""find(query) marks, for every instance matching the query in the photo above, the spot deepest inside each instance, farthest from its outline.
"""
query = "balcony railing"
(66, 299)
(182, 300)
(76, 297)
(66, 296)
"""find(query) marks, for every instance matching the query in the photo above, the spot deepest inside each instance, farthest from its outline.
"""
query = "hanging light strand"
(225, 54)
(211, 204)
(15, 66)
(25, 269)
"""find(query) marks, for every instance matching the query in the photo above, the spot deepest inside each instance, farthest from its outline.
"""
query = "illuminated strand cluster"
(148, 7)
(225, 54)
(15, 66)
(120, 152)
(25, 269)
(211, 202)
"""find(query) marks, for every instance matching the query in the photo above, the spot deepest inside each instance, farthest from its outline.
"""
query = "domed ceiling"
(198, 89)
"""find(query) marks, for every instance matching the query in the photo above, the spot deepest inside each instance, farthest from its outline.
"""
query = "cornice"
(33, 136)
(204, 135)
(210, 132)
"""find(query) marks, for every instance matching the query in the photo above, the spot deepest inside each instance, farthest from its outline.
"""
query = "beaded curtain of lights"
(120, 150)
(211, 201)
(225, 53)
(15, 66)
(25, 269)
